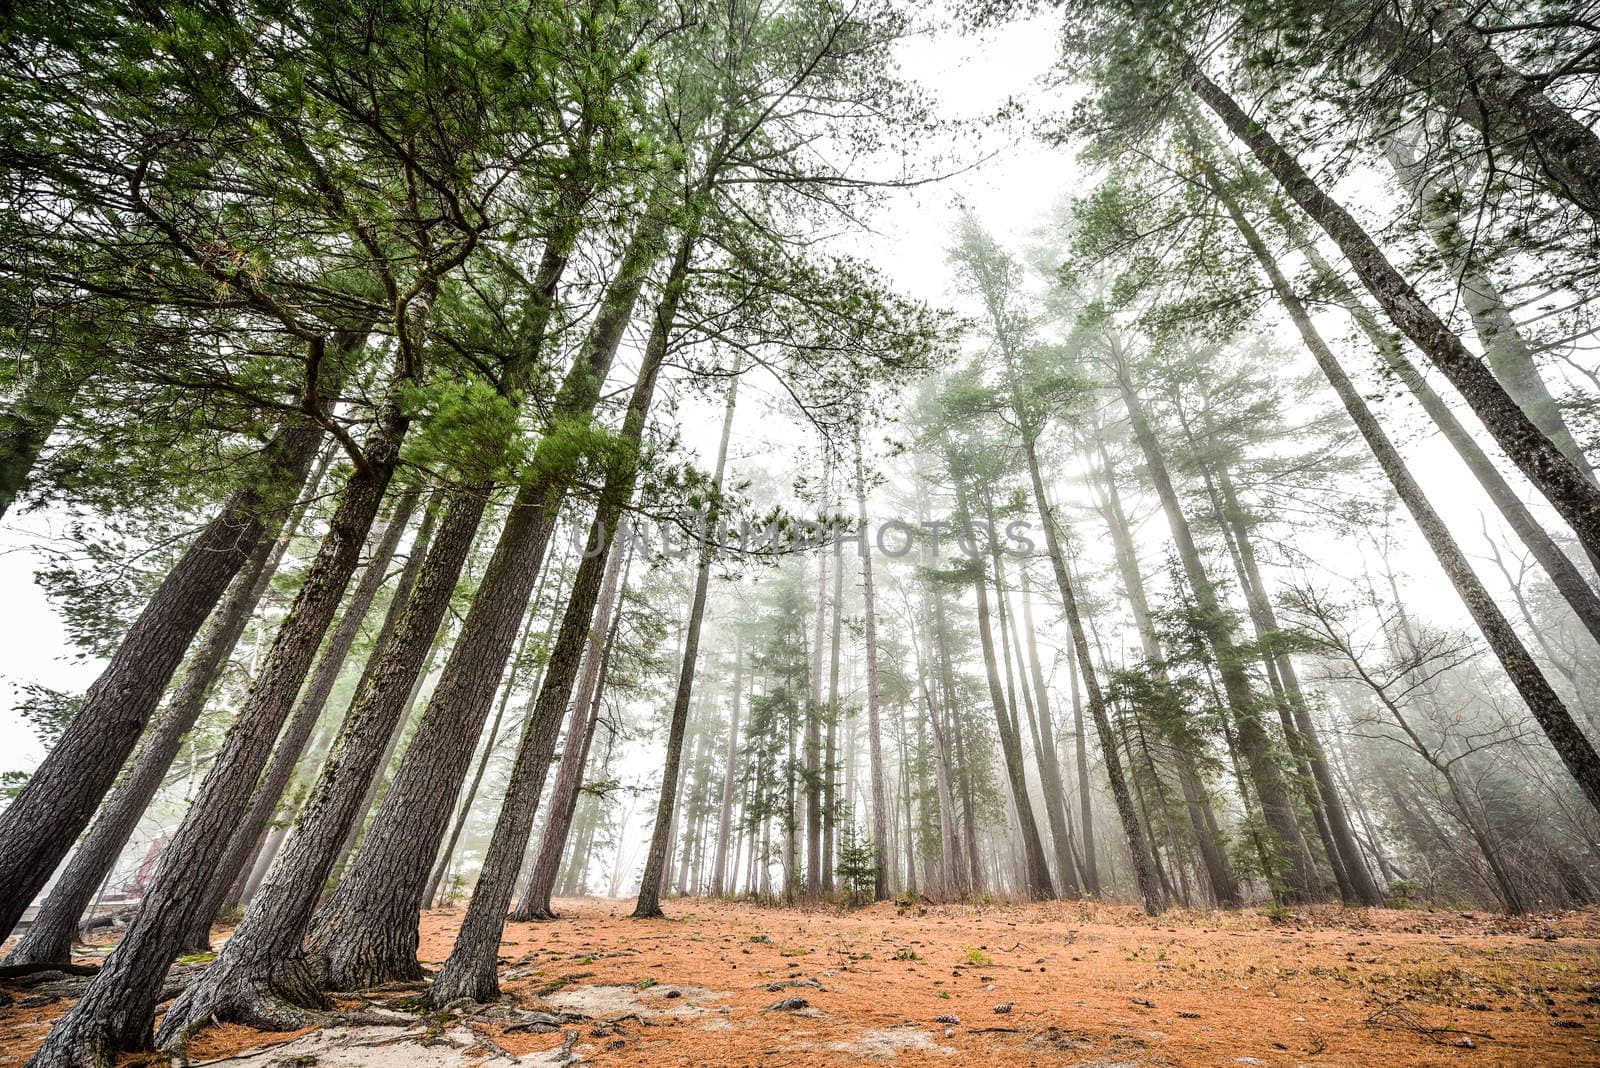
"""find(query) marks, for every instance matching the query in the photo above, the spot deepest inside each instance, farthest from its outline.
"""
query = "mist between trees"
(892, 538)
(486, 453)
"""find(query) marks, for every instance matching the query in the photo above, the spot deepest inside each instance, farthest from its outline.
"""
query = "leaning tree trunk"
(581, 723)
(1036, 870)
(115, 1012)
(1552, 473)
(880, 789)
(471, 969)
(649, 903)
(1564, 574)
(1567, 149)
(43, 821)
(1138, 843)
(1291, 859)
(1568, 740)
(49, 937)
(367, 932)
(1049, 760)
(291, 743)
(1504, 345)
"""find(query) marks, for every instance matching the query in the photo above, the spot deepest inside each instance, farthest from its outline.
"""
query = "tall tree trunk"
(830, 768)
(1291, 860)
(491, 741)
(115, 1012)
(1138, 846)
(581, 723)
(367, 932)
(1504, 346)
(291, 743)
(1574, 497)
(1197, 803)
(1342, 838)
(49, 937)
(880, 790)
(649, 903)
(43, 821)
(1049, 761)
(1574, 749)
(813, 728)
(719, 867)
(261, 977)
(470, 970)
(1564, 574)
(1568, 151)
(1080, 744)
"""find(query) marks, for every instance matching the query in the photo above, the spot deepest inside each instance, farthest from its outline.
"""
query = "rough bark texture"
(1568, 740)
(49, 937)
(115, 1012)
(41, 824)
(367, 933)
(471, 969)
(1552, 473)
(291, 744)
(259, 978)
(1568, 151)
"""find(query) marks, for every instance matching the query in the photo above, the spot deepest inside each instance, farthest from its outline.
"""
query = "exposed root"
(15, 971)
(286, 999)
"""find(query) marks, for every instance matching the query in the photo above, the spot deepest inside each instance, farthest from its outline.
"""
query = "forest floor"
(1063, 983)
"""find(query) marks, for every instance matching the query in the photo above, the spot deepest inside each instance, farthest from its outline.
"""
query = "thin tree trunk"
(1292, 861)
(880, 791)
(1049, 762)
(585, 715)
(813, 728)
(719, 868)
(1574, 497)
(1575, 750)
(649, 903)
(1138, 847)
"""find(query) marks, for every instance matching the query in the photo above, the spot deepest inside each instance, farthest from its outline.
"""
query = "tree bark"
(49, 937)
(47, 395)
(1138, 845)
(880, 789)
(367, 933)
(585, 715)
(1551, 472)
(1292, 865)
(1568, 740)
(719, 867)
(471, 969)
(115, 1012)
(291, 743)
(44, 820)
